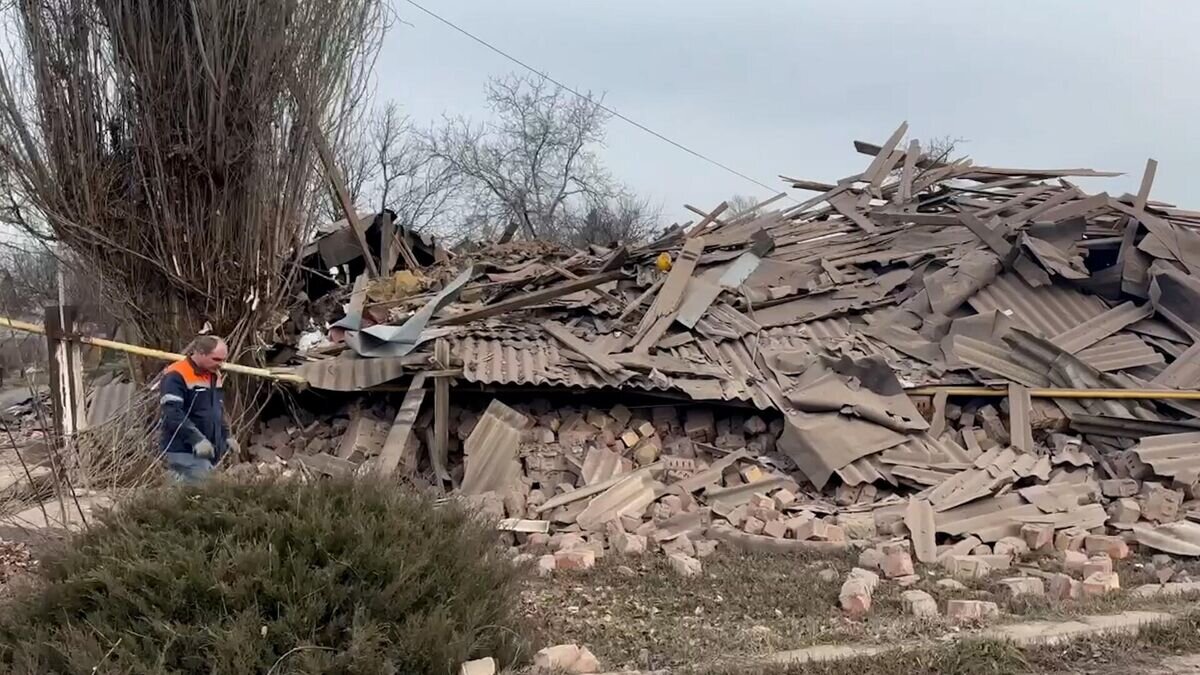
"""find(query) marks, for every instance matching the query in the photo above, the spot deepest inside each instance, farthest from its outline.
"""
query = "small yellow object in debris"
(663, 262)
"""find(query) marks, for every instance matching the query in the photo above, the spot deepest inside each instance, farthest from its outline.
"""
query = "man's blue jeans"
(188, 468)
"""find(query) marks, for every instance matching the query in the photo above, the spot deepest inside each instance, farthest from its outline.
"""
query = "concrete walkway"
(1025, 634)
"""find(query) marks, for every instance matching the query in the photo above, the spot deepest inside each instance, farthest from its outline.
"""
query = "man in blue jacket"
(194, 432)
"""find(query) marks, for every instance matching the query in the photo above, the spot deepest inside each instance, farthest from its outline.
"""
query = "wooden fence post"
(66, 371)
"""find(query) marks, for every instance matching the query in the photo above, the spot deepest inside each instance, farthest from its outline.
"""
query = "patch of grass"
(269, 577)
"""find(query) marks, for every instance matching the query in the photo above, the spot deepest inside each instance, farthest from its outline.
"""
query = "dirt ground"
(637, 614)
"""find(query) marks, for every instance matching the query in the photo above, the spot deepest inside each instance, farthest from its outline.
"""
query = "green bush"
(269, 578)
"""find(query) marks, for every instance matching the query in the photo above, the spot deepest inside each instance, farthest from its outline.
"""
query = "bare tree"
(533, 166)
(170, 145)
(623, 219)
(741, 205)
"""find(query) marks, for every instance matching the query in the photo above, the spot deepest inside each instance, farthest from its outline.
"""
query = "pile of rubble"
(956, 354)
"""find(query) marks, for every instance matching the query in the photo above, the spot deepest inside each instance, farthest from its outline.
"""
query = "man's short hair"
(203, 344)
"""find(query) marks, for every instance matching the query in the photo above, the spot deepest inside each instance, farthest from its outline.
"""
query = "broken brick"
(1159, 504)
(1024, 586)
(684, 565)
(753, 525)
(1073, 561)
(870, 559)
(1011, 546)
(1063, 587)
(1125, 510)
(896, 563)
(776, 528)
(919, 603)
(1101, 584)
(625, 543)
(971, 609)
(1097, 564)
(1115, 547)
(1038, 537)
(575, 559)
(1119, 487)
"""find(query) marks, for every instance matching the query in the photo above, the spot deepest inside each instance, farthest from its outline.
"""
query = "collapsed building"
(957, 354)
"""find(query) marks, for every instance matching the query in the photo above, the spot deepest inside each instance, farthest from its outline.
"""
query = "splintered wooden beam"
(343, 196)
(528, 299)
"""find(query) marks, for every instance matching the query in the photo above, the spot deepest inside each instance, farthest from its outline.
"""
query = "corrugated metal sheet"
(1175, 455)
(1119, 352)
(1048, 310)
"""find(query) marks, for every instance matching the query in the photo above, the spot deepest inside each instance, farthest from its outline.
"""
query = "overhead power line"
(601, 105)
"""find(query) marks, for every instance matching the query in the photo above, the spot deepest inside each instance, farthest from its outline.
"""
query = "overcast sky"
(771, 87)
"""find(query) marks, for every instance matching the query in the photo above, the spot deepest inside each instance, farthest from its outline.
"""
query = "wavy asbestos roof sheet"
(1175, 455)
(1047, 310)
(1119, 352)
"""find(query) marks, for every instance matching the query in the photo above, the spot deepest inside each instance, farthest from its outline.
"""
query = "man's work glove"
(232, 447)
(204, 449)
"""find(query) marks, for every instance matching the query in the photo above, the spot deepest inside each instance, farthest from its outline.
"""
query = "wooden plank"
(705, 216)
(392, 455)
(439, 452)
(671, 294)
(1024, 197)
(529, 299)
(1147, 180)
(587, 351)
(1037, 209)
(844, 204)
(885, 159)
(343, 196)
(709, 218)
(812, 185)
(989, 236)
(906, 174)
